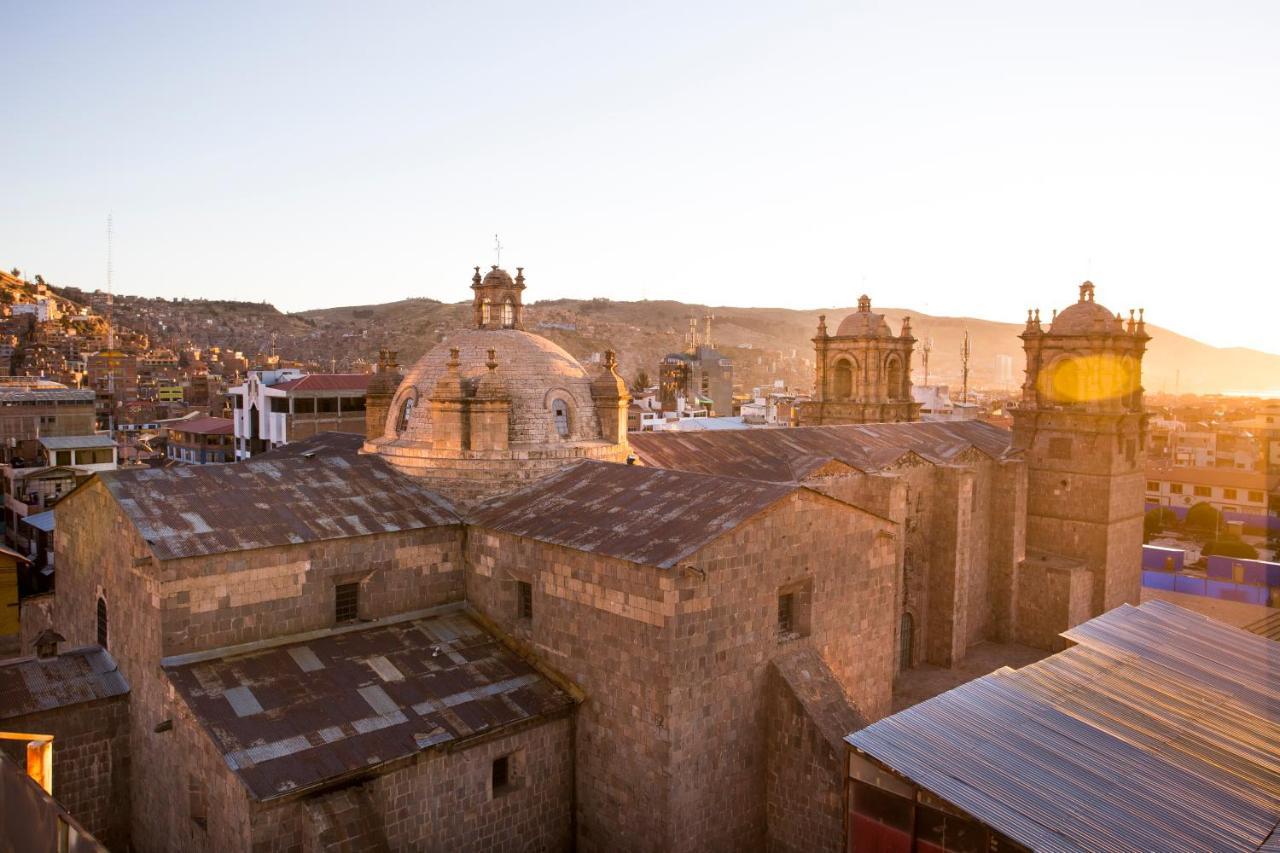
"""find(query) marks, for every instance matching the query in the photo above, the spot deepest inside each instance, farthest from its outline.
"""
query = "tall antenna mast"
(925, 349)
(497, 251)
(111, 333)
(964, 367)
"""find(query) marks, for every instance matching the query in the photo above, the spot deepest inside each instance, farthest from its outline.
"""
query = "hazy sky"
(955, 158)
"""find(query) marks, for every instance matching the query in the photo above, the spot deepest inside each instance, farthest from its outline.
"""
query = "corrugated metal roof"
(327, 382)
(1159, 731)
(28, 685)
(644, 515)
(77, 442)
(261, 503)
(47, 395)
(297, 715)
(788, 455)
(322, 443)
(41, 520)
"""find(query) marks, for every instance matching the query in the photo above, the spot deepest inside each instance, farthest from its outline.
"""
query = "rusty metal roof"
(301, 714)
(789, 455)
(318, 444)
(1158, 731)
(265, 502)
(29, 685)
(326, 382)
(644, 515)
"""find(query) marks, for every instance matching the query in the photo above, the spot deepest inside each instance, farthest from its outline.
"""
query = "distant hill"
(642, 332)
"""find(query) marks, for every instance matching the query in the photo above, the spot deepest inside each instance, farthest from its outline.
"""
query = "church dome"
(534, 372)
(864, 324)
(494, 407)
(1086, 317)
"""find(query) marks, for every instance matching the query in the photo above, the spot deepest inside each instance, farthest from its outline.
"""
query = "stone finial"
(610, 360)
(1037, 318)
(864, 304)
(520, 276)
(492, 361)
(822, 325)
(387, 361)
(454, 357)
(1131, 321)
(475, 279)
(1028, 318)
(906, 327)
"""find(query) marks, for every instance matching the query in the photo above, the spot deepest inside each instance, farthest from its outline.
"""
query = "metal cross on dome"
(497, 251)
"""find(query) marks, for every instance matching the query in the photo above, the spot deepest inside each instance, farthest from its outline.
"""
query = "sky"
(968, 159)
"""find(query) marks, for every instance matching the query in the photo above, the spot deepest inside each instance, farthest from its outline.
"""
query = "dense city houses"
(496, 618)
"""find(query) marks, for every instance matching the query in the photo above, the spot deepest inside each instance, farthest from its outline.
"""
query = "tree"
(641, 382)
(1203, 518)
(1230, 547)
(1157, 521)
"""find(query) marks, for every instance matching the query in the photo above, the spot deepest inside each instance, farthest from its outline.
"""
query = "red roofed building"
(274, 407)
(202, 441)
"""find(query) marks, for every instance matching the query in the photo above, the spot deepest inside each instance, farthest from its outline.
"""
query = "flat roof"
(29, 685)
(77, 442)
(1227, 477)
(1157, 731)
(300, 714)
(47, 395)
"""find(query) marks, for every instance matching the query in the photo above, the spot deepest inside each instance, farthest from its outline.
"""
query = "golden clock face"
(1089, 378)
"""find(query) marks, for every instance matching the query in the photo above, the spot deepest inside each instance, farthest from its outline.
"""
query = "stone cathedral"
(499, 622)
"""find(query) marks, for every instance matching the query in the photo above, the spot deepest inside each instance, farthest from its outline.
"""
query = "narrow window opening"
(524, 600)
(501, 774)
(346, 602)
(786, 613)
(102, 622)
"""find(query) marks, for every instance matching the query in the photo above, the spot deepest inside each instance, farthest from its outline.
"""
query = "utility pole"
(925, 349)
(964, 367)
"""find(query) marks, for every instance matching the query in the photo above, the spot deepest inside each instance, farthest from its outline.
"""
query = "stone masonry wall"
(604, 624)
(90, 762)
(840, 565)
(244, 596)
(441, 800)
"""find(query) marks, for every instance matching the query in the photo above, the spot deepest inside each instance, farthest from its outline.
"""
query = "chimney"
(46, 643)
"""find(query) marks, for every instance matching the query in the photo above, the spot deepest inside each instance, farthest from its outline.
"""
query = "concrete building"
(274, 407)
(863, 372)
(1248, 492)
(476, 627)
(698, 380)
(936, 404)
(201, 441)
(30, 409)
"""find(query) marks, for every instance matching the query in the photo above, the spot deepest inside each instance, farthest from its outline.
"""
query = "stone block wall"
(245, 596)
(807, 717)
(90, 762)
(605, 624)
(842, 561)
(440, 800)
(1054, 594)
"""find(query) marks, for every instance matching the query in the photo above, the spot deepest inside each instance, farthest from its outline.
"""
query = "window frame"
(346, 612)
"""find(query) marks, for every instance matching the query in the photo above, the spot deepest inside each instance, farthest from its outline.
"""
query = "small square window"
(524, 600)
(346, 602)
(1228, 494)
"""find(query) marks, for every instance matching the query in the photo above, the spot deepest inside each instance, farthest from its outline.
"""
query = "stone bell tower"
(1082, 428)
(862, 372)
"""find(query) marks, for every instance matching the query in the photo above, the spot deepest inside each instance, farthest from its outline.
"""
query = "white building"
(274, 407)
(936, 404)
(44, 308)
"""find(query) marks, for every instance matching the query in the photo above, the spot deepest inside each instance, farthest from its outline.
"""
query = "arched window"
(560, 411)
(485, 312)
(842, 384)
(406, 411)
(893, 374)
(508, 314)
(102, 622)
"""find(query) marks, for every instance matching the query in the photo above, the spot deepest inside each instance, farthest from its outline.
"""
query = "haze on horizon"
(956, 159)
